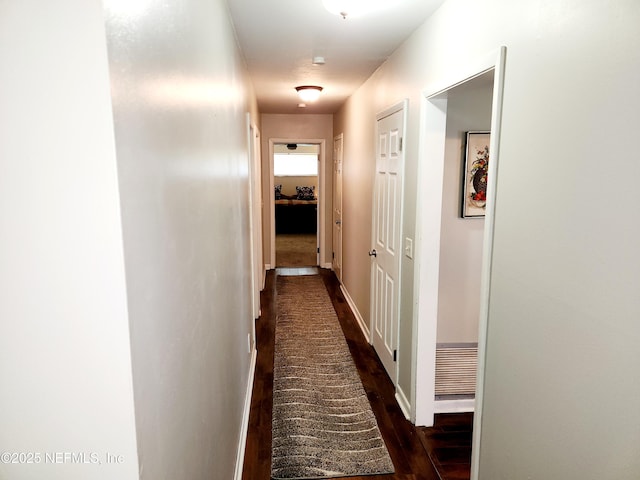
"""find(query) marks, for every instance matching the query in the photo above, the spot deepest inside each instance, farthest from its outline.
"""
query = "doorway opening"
(296, 192)
(448, 110)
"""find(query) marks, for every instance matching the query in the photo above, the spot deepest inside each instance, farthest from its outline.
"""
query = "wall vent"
(456, 366)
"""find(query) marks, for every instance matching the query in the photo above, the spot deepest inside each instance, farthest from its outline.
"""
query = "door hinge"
(318, 249)
(395, 355)
(333, 254)
(401, 143)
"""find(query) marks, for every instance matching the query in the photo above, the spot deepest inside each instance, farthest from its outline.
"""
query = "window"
(295, 164)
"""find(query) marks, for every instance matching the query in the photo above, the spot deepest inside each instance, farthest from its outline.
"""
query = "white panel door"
(337, 206)
(255, 217)
(385, 253)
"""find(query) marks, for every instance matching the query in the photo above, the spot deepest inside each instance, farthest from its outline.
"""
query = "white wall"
(297, 127)
(564, 306)
(65, 366)
(356, 121)
(180, 97)
(73, 325)
(468, 108)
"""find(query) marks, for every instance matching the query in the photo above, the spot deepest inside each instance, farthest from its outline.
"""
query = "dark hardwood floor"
(448, 444)
(405, 443)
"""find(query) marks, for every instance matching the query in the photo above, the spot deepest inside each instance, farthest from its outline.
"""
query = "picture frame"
(475, 174)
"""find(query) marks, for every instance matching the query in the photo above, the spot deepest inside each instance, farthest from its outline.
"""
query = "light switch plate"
(408, 247)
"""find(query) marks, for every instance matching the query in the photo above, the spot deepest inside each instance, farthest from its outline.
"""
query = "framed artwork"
(475, 174)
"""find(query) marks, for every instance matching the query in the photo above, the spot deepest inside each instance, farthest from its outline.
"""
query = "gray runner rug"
(323, 426)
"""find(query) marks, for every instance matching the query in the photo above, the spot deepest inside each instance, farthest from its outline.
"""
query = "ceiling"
(280, 38)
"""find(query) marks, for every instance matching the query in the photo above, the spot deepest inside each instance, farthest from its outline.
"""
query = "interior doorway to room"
(295, 195)
(447, 111)
(462, 226)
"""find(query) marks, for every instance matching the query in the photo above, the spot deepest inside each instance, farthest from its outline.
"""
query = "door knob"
(338, 222)
(373, 253)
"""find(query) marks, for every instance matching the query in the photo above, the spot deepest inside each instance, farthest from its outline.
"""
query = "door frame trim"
(322, 204)
(334, 189)
(255, 218)
(401, 106)
(432, 138)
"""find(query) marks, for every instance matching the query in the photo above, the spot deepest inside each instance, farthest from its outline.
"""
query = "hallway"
(131, 260)
(403, 441)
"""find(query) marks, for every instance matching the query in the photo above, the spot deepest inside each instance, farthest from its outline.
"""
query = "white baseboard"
(326, 265)
(267, 267)
(455, 406)
(404, 403)
(356, 313)
(245, 417)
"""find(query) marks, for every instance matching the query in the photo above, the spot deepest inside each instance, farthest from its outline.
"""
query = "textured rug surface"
(323, 425)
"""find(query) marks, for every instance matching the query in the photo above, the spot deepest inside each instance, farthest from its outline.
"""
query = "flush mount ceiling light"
(309, 93)
(355, 8)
